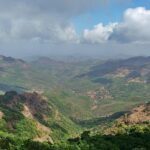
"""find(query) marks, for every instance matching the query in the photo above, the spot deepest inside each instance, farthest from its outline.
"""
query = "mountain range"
(48, 99)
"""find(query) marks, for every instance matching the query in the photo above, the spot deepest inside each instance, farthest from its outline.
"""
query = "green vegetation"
(66, 84)
(132, 138)
(30, 116)
(72, 97)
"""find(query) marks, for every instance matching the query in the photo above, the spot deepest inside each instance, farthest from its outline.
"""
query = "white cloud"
(49, 21)
(46, 21)
(67, 34)
(135, 27)
(36, 29)
(99, 33)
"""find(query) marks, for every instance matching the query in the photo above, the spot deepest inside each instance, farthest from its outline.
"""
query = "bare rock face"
(140, 114)
(33, 101)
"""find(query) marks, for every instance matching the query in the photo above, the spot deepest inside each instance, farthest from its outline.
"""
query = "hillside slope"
(83, 89)
(32, 116)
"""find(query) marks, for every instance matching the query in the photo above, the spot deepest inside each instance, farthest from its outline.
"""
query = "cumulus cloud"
(133, 28)
(49, 21)
(99, 33)
(41, 30)
(54, 28)
(45, 21)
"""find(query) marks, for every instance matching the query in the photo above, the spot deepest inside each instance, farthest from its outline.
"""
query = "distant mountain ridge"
(135, 63)
(11, 59)
(102, 87)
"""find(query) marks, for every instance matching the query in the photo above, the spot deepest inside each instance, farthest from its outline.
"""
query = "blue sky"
(105, 14)
(88, 27)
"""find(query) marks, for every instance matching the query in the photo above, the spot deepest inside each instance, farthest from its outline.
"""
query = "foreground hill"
(124, 135)
(130, 132)
(139, 115)
(32, 116)
(137, 119)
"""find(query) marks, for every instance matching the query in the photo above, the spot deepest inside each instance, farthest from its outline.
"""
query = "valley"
(48, 100)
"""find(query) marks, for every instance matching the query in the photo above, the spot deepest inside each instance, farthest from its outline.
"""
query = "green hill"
(81, 89)
(32, 116)
(48, 101)
(123, 135)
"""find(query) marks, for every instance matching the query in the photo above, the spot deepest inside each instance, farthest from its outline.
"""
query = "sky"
(101, 28)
